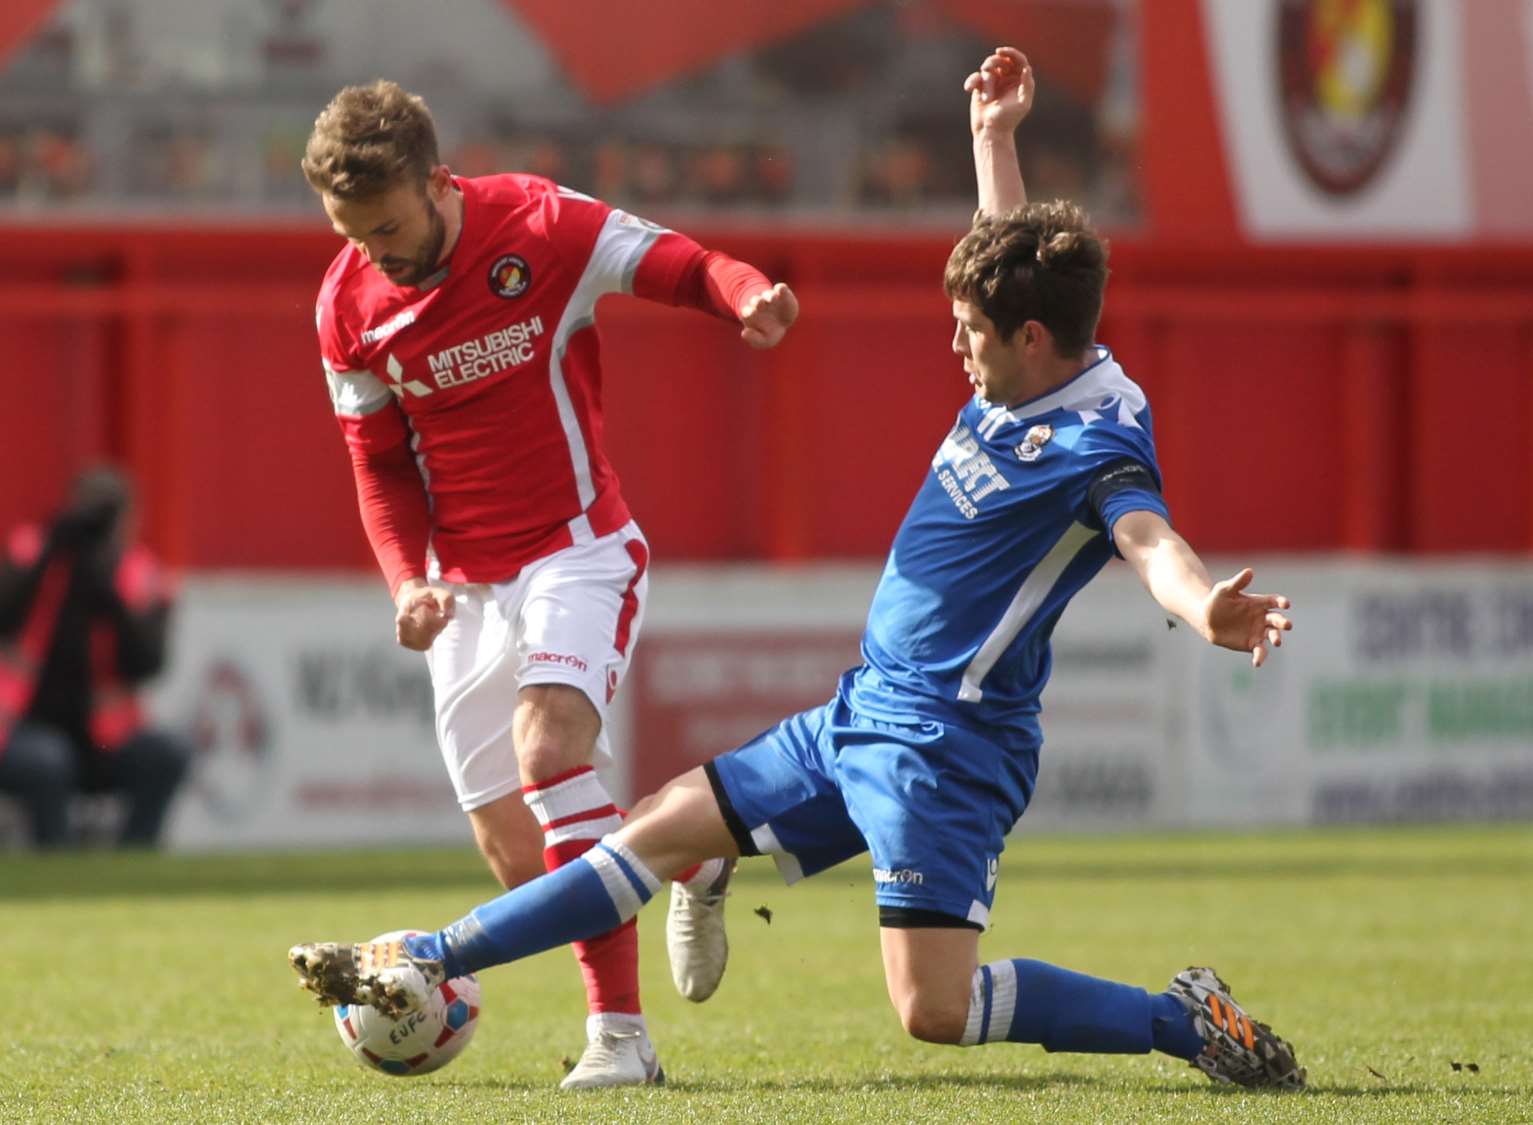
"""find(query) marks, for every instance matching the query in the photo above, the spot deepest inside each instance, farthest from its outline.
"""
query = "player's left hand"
(766, 317)
(1245, 622)
(1000, 91)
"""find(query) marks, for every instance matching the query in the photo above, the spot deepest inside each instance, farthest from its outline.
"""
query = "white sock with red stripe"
(576, 811)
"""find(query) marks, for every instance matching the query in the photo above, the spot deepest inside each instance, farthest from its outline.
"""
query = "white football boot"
(695, 938)
(614, 1056)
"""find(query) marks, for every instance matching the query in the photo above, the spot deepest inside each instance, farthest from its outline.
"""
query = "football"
(420, 1042)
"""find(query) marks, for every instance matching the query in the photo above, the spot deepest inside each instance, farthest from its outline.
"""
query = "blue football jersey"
(1001, 535)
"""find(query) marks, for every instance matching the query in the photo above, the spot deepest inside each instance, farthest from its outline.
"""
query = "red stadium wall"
(1305, 399)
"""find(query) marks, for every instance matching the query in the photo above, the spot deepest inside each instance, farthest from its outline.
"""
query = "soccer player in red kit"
(458, 337)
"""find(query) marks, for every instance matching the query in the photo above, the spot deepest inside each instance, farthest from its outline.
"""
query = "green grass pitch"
(1399, 963)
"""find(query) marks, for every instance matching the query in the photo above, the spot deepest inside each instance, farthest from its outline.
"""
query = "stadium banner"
(1408, 696)
(311, 725)
(1405, 694)
(1399, 119)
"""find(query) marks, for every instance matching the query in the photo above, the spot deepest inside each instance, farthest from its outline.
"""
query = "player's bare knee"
(674, 799)
(556, 729)
(549, 749)
(652, 826)
(547, 758)
(932, 1020)
(644, 806)
(674, 828)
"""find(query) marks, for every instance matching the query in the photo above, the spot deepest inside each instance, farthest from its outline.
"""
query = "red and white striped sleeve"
(634, 255)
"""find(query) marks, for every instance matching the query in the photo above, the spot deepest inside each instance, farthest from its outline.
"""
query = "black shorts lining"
(911, 918)
(732, 819)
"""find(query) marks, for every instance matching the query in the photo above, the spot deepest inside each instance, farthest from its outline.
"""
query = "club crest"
(1346, 71)
(1032, 445)
(510, 276)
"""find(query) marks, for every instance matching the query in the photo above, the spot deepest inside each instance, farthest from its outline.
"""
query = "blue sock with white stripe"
(1024, 1001)
(588, 896)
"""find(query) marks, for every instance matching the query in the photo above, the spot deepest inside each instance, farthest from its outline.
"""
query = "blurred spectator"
(772, 170)
(609, 170)
(716, 174)
(10, 162)
(1057, 173)
(83, 617)
(187, 164)
(897, 175)
(536, 156)
(43, 162)
(60, 164)
(172, 159)
(653, 174)
(281, 150)
(477, 157)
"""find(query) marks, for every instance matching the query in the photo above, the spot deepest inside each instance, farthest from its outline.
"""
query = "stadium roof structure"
(613, 52)
(19, 19)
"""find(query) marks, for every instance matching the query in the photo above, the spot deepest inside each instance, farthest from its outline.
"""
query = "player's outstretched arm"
(677, 271)
(1222, 612)
(1000, 96)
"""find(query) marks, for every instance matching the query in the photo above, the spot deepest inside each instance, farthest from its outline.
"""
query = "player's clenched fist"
(766, 317)
(422, 610)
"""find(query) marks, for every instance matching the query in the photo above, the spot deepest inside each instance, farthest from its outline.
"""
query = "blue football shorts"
(932, 802)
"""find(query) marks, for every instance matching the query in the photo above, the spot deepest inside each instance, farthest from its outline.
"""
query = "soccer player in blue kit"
(926, 756)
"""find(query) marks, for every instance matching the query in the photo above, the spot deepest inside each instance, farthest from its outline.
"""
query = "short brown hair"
(370, 139)
(1040, 262)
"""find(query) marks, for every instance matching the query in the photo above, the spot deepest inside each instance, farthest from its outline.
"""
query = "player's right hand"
(1000, 91)
(422, 610)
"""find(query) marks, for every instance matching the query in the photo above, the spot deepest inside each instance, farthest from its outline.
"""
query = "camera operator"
(83, 618)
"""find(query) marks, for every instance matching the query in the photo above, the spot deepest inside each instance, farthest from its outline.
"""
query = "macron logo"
(389, 327)
(569, 660)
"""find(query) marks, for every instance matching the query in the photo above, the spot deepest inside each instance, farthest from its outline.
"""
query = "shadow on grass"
(907, 1082)
(733, 1085)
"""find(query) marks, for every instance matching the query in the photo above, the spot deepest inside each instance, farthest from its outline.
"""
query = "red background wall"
(1305, 399)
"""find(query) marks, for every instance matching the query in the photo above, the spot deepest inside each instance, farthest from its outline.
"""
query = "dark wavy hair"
(1040, 262)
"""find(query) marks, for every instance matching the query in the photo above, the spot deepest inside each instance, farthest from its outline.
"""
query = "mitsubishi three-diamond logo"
(396, 372)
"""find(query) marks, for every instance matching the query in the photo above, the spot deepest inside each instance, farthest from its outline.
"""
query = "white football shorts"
(571, 618)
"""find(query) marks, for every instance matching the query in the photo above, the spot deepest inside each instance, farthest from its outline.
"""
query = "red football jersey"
(492, 377)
